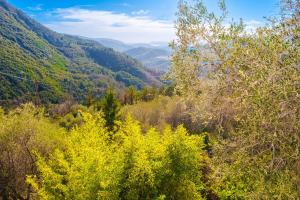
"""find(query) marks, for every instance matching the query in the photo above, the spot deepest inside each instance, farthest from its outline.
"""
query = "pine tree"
(111, 108)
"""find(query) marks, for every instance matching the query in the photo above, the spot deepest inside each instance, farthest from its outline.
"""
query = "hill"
(154, 56)
(115, 44)
(36, 61)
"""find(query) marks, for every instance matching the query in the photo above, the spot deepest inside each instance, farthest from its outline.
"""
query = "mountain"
(154, 56)
(114, 44)
(36, 61)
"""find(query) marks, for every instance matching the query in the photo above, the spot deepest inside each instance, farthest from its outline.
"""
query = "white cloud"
(140, 12)
(121, 26)
(135, 28)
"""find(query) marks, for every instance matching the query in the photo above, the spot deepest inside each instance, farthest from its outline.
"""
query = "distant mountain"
(115, 44)
(154, 56)
(35, 61)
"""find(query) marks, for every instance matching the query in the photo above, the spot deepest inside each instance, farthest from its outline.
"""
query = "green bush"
(24, 131)
(131, 165)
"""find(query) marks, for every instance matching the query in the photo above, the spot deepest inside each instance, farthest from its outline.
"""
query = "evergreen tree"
(131, 95)
(111, 108)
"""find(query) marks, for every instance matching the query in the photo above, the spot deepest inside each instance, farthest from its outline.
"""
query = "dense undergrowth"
(41, 160)
(228, 130)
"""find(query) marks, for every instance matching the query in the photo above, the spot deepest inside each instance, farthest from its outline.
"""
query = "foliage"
(67, 114)
(38, 64)
(110, 106)
(15, 63)
(167, 165)
(131, 95)
(23, 131)
(241, 86)
(128, 79)
(164, 111)
(246, 86)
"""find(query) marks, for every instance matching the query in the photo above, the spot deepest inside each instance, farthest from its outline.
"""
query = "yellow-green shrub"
(23, 131)
(131, 165)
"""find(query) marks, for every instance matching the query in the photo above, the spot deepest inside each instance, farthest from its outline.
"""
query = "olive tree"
(246, 85)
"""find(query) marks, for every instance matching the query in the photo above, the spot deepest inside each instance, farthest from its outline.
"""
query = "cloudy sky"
(131, 21)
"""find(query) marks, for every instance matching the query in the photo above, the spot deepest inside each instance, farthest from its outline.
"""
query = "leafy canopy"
(245, 86)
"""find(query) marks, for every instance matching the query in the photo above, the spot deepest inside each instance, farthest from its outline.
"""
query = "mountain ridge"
(154, 56)
(64, 65)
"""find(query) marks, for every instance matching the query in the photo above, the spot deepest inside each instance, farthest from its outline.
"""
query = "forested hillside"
(226, 125)
(54, 65)
(154, 56)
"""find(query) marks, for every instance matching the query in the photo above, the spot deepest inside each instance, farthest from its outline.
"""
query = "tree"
(130, 96)
(110, 106)
(245, 86)
(148, 93)
(23, 131)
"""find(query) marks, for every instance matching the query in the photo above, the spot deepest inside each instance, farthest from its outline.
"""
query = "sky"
(131, 21)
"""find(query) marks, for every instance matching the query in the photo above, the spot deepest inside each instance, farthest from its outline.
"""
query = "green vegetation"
(250, 97)
(24, 131)
(87, 163)
(110, 106)
(226, 128)
(45, 65)
(156, 165)
(164, 111)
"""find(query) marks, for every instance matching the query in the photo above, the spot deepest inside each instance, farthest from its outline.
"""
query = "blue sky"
(131, 21)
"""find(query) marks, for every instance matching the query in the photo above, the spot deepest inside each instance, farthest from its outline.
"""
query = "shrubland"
(41, 160)
(164, 111)
(130, 165)
(226, 128)
(23, 132)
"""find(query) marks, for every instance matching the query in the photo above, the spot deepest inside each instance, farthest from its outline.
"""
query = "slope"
(153, 58)
(51, 66)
